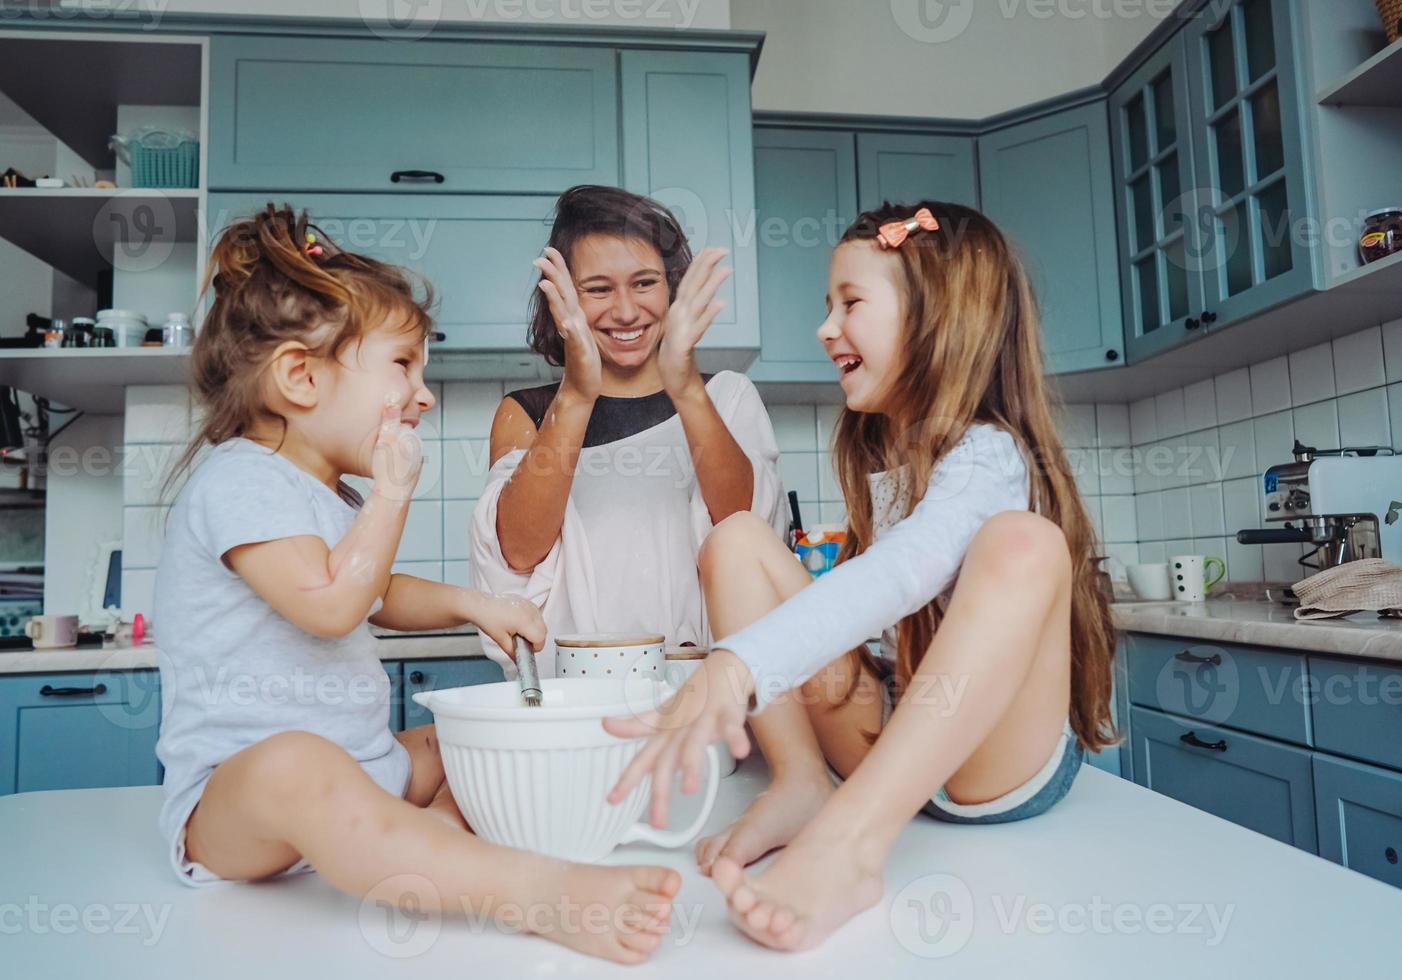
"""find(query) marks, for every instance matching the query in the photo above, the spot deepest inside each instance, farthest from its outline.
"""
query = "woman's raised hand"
(692, 311)
(584, 372)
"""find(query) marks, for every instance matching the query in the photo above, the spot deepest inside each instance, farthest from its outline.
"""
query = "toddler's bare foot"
(774, 818)
(639, 904)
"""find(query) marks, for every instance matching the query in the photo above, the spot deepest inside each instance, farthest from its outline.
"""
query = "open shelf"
(1376, 82)
(1356, 300)
(92, 379)
(75, 229)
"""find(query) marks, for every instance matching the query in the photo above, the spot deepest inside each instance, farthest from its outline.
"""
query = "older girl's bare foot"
(811, 889)
(774, 818)
(615, 913)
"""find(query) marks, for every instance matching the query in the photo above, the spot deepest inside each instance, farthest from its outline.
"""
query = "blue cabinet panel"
(1360, 817)
(806, 195)
(79, 730)
(904, 168)
(346, 115)
(1357, 709)
(476, 251)
(438, 675)
(1047, 184)
(687, 143)
(1262, 785)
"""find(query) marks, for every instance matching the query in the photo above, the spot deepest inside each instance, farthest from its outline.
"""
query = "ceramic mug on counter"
(1189, 577)
(52, 632)
(1150, 581)
(616, 655)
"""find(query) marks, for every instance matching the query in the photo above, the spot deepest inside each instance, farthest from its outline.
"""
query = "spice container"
(127, 326)
(177, 331)
(1382, 235)
(80, 332)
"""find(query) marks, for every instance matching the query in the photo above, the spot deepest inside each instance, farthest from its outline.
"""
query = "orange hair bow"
(894, 233)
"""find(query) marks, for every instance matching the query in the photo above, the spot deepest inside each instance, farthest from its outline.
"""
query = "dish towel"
(1369, 584)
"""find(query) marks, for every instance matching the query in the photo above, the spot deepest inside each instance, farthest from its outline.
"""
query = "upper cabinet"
(335, 114)
(687, 143)
(1210, 170)
(1046, 183)
(907, 167)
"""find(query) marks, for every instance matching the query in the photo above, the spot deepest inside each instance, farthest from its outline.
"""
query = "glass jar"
(1382, 235)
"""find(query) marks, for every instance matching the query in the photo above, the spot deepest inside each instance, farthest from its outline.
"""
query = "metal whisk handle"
(529, 677)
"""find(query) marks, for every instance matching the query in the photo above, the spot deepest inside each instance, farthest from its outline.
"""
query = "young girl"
(965, 532)
(275, 735)
(604, 485)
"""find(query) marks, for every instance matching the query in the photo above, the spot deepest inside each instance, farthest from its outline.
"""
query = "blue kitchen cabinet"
(346, 114)
(1355, 709)
(687, 142)
(1360, 817)
(806, 196)
(79, 730)
(905, 168)
(1250, 158)
(1263, 785)
(475, 251)
(437, 675)
(1047, 184)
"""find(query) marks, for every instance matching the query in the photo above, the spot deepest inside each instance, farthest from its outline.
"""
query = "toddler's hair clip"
(894, 233)
(312, 248)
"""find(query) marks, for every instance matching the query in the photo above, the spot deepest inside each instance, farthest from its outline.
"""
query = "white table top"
(1116, 881)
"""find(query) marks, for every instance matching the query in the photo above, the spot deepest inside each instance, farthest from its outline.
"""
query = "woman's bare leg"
(299, 795)
(746, 572)
(982, 715)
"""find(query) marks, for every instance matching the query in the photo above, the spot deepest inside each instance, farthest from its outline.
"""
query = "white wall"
(83, 507)
(714, 14)
(878, 57)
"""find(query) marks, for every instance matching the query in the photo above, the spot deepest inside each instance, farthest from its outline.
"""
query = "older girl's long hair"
(971, 353)
(276, 277)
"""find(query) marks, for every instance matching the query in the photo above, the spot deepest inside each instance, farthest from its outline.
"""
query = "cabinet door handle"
(1208, 318)
(72, 692)
(432, 175)
(1192, 658)
(1112, 355)
(1191, 739)
(416, 677)
(1192, 323)
(438, 336)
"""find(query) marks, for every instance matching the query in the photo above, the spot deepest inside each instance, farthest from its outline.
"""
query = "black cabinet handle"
(1192, 323)
(1192, 658)
(72, 692)
(1191, 739)
(1112, 355)
(416, 677)
(1208, 318)
(438, 336)
(432, 175)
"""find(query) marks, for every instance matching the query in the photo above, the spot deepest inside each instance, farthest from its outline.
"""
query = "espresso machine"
(1338, 500)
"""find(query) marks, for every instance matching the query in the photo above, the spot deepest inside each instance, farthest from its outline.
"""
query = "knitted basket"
(1391, 12)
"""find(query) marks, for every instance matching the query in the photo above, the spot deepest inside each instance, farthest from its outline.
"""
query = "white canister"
(128, 327)
(1150, 581)
(616, 655)
(682, 662)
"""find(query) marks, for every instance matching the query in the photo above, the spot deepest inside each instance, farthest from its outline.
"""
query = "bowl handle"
(641, 831)
(423, 698)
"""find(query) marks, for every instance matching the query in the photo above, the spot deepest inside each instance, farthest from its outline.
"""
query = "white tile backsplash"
(1358, 361)
(1312, 374)
(465, 468)
(799, 471)
(457, 518)
(468, 407)
(1205, 504)
(1170, 414)
(1238, 449)
(1270, 386)
(1200, 405)
(1233, 394)
(1112, 426)
(1076, 424)
(795, 427)
(1143, 422)
(1363, 419)
(156, 413)
(1177, 514)
(423, 532)
(1317, 425)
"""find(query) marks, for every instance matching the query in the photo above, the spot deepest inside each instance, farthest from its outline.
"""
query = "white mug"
(1150, 581)
(682, 662)
(52, 632)
(611, 655)
(538, 778)
(1188, 576)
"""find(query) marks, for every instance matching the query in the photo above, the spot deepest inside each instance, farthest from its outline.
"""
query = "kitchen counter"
(125, 656)
(1263, 623)
(1116, 881)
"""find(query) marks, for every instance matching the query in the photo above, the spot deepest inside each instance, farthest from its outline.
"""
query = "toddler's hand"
(504, 617)
(710, 707)
(398, 456)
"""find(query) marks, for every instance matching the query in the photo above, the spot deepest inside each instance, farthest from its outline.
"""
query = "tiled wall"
(1198, 452)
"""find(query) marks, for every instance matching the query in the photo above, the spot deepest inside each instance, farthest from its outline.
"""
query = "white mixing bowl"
(538, 778)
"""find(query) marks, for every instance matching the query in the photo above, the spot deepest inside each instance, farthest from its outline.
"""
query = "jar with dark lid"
(1382, 235)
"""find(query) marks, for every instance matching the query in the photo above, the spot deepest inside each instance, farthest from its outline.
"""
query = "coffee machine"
(1339, 500)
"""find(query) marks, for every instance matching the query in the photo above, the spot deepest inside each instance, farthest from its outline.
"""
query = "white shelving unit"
(92, 380)
(1377, 82)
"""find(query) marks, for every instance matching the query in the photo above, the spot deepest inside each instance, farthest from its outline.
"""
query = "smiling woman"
(604, 485)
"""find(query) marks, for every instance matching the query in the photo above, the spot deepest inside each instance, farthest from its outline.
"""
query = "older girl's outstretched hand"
(710, 707)
(688, 318)
(584, 371)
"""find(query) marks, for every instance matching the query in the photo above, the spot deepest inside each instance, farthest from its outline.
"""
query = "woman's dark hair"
(593, 209)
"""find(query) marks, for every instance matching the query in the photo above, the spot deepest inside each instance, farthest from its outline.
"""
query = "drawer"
(439, 675)
(342, 114)
(1259, 784)
(1360, 817)
(1255, 690)
(1357, 709)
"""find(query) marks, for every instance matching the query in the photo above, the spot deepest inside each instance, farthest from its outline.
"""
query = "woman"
(604, 485)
